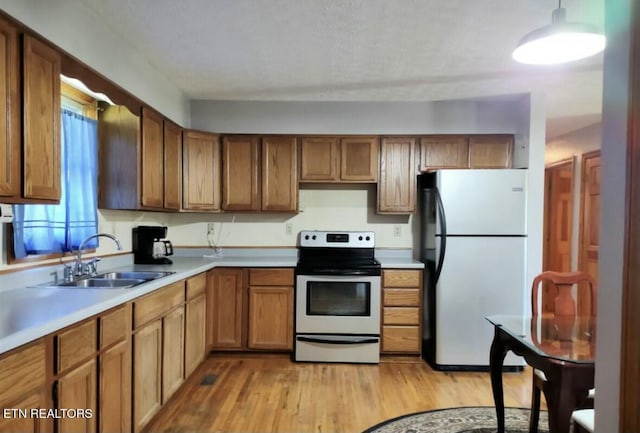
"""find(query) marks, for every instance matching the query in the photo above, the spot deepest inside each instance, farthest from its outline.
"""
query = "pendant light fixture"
(559, 42)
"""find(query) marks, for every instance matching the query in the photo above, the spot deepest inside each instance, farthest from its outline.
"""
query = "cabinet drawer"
(401, 278)
(271, 277)
(22, 370)
(401, 315)
(196, 285)
(401, 339)
(401, 297)
(114, 326)
(76, 344)
(158, 303)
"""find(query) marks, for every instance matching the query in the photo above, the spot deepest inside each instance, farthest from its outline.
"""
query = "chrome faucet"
(90, 268)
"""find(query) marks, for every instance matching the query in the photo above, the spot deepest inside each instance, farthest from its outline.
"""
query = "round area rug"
(460, 420)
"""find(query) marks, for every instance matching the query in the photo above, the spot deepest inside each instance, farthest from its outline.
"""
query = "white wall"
(615, 135)
(73, 27)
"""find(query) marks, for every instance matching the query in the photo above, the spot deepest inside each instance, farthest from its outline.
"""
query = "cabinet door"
(147, 373)
(319, 159)
(27, 424)
(10, 157)
(225, 307)
(279, 174)
(172, 165)
(41, 120)
(202, 171)
(491, 151)
(270, 317)
(397, 184)
(115, 389)
(152, 160)
(444, 151)
(172, 352)
(194, 346)
(359, 159)
(240, 162)
(77, 389)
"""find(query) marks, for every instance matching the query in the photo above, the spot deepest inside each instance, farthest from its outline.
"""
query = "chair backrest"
(561, 291)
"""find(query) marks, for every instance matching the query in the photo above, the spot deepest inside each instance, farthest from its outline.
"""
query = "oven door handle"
(338, 340)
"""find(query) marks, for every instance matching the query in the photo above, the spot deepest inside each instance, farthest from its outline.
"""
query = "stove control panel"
(322, 239)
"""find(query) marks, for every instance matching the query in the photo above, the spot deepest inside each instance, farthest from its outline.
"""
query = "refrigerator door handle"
(443, 234)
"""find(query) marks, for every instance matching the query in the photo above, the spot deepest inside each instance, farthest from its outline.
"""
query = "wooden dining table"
(562, 347)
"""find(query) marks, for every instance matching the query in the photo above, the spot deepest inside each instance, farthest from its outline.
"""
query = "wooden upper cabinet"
(201, 171)
(41, 120)
(279, 174)
(172, 165)
(240, 163)
(491, 151)
(10, 103)
(319, 159)
(152, 160)
(444, 151)
(397, 183)
(359, 159)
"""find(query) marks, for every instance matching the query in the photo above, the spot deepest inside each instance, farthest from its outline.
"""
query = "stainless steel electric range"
(337, 298)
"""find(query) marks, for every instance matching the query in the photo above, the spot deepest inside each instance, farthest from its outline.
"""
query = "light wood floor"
(257, 394)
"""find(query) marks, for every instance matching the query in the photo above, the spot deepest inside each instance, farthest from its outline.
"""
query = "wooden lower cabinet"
(77, 390)
(195, 343)
(115, 389)
(33, 401)
(402, 311)
(270, 318)
(225, 308)
(172, 352)
(147, 373)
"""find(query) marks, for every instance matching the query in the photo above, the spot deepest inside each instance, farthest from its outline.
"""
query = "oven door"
(338, 304)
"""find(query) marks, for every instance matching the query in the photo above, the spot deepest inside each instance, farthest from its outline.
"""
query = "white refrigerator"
(480, 262)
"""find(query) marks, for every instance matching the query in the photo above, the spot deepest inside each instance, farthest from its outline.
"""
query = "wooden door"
(202, 171)
(444, 151)
(10, 115)
(270, 317)
(490, 151)
(35, 400)
(319, 159)
(41, 120)
(359, 159)
(194, 346)
(77, 389)
(147, 373)
(172, 352)
(397, 183)
(172, 165)
(279, 174)
(115, 389)
(558, 224)
(152, 160)
(589, 217)
(225, 307)
(240, 162)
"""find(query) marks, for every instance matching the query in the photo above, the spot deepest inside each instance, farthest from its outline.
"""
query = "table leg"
(496, 361)
(563, 391)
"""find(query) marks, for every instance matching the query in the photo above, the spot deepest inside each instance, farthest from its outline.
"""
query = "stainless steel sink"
(104, 283)
(141, 275)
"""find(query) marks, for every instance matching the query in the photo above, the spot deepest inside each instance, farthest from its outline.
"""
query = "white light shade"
(559, 42)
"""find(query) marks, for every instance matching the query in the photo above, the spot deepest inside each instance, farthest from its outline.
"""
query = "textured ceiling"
(358, 50)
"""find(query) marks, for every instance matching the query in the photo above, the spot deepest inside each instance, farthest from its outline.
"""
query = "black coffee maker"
(150, 247)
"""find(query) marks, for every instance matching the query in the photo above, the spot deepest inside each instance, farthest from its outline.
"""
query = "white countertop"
(28, 313)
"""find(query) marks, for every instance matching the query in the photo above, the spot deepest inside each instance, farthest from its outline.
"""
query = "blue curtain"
(45, 229)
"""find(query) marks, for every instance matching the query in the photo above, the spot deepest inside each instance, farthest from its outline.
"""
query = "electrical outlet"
(288, 228)
(397, 231)
(210, 229)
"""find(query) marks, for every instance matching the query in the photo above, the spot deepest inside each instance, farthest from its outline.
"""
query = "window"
(50, 229)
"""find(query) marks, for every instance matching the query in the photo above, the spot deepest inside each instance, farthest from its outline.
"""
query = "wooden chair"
(564, 305)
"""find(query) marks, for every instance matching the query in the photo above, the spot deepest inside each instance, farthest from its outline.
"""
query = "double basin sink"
(113, 280)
